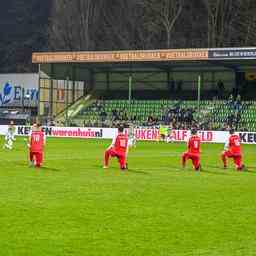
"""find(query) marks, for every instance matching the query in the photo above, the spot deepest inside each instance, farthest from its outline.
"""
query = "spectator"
(103, 115)
(177, 106)
(238, 117)
(231, 98)
(190, 116)
(98, 105)
(238, 103)
(52, 123)
(172, 86)
(221, 89)
(134, 118)
(151, 121)
(231, 120)
(179, 86)
(115, 116)
(231, 101)
(124, 116)
(114, 112)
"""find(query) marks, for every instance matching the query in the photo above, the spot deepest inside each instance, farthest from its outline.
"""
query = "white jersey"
(170, 136)
(131, 137)
(226, 145)
(10, 132)
(9, 137)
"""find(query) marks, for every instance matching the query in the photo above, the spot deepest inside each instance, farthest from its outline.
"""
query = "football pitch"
(74, 207)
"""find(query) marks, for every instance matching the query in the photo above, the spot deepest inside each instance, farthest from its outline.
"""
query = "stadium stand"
(216, 114)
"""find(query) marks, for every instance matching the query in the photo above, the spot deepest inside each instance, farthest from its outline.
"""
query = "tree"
(163, 16)
(73, 24)
(24, 28)
(122, 25)
(29, 25)
(245, 23)
(220, 16)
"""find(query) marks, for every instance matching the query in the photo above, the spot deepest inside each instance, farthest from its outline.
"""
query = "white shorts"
(131, 142)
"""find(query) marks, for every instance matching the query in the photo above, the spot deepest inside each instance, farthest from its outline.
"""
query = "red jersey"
(37, 141)
(121, 143)
(194, 144)
(234, 144)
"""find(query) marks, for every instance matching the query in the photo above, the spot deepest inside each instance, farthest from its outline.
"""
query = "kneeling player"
(193, 152)
(232, 149)
(119, 149)
(36, 146)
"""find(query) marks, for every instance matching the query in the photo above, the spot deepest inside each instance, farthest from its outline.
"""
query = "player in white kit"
(131, 137)
(10, 136)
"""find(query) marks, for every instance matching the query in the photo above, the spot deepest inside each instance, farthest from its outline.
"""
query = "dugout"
(65, 77)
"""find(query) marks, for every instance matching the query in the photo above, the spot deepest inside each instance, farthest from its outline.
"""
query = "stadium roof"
(59, 65)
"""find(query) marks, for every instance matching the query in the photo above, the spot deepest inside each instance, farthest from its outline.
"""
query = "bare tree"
(220, 16)
(123, 24)
(163, 16)
(73, 24)
(245, 23)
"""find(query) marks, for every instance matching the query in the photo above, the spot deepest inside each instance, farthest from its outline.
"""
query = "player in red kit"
(193, 152)
(119, 149)
(36, 146)
(232, 149)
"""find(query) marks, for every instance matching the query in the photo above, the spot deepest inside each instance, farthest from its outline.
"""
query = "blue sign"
(13, 94)
(225, 54)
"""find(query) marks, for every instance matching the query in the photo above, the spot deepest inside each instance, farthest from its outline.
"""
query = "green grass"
(74, 207)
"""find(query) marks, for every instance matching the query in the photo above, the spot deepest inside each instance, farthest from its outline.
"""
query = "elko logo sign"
(12, 94)
(5, 95)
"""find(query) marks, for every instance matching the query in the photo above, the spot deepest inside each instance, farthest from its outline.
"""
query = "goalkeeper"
(163, 133)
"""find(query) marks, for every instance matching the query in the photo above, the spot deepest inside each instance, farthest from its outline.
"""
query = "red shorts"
(230, 154)
(37, 157)
(115, 153)
(192, 156)
(237, 158)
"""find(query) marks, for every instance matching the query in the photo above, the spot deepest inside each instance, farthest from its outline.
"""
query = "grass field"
(74, 207)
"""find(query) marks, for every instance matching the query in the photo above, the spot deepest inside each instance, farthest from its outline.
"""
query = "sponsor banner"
(248, 137)
(67, 132)
(145, 56)
(142, 134)
(223, 54)
(146, 133)
(206, 136)
(178, 135)
(120, 56)
(18, 89)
